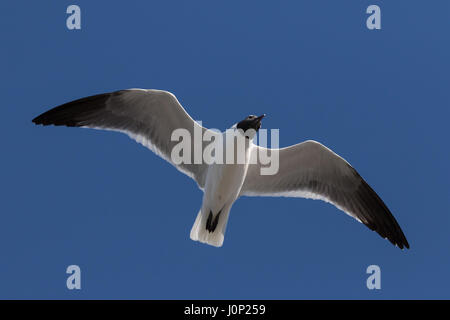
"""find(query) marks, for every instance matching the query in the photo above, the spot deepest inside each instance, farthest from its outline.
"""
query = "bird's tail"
(210, 228)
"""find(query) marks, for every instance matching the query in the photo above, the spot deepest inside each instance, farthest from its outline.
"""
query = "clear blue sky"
(101, 201)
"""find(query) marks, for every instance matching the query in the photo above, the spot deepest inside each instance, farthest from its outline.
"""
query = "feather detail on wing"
(311, 170)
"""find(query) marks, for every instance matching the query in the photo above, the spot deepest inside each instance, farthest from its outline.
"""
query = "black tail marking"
(211, 224)
(208, 222)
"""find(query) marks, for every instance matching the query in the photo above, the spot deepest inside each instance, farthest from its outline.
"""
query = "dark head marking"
(251, 122)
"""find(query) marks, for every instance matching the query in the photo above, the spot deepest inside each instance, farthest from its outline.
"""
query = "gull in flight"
(306, 170)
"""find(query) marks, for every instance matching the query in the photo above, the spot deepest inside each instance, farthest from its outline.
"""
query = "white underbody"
(222, 188)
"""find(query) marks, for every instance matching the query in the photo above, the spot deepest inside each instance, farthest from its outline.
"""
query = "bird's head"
(251, 122)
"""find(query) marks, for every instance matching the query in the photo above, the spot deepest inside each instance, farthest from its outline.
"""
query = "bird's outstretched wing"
(311, 170)
(148, 116)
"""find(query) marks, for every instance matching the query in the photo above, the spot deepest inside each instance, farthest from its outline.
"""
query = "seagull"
(306, 170)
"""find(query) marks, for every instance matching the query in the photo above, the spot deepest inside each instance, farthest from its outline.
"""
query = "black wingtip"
(75, 113)
(378, 216)
(37, 120)
(405, 245)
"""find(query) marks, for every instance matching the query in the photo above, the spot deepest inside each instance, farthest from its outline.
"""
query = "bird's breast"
(223, 184)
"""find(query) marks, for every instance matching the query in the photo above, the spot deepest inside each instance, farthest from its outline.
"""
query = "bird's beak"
(258, 121)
